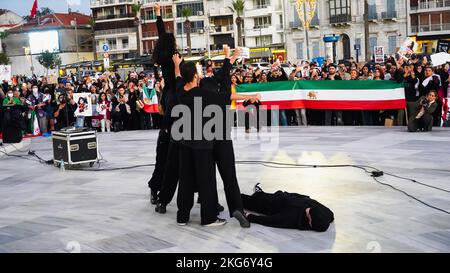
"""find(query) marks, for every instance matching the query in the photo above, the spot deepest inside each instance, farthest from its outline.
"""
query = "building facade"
(115, 25)
(74, 40)
(8, 19)
(345, 18)
(429, 22)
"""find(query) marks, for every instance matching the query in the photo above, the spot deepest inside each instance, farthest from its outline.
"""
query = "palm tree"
(136, 8)
(238, 8)
(186, 12)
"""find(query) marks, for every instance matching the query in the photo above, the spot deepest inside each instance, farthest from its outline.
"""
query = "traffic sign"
(105, 47)
(105, 55)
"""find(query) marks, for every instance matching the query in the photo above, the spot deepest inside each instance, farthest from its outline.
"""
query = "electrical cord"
(279, 165)
(411, 196)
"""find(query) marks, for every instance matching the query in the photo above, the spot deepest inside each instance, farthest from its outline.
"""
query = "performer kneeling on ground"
(422, 119)
(287, 210)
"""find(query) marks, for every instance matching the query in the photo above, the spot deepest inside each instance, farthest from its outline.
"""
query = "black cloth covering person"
(287, 210)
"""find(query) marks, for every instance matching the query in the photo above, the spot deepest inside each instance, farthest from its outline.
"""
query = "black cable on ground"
(279, 165)
(411, 196)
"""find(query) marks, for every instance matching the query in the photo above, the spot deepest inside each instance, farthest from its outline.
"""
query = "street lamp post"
(75, 24)
(306, 33)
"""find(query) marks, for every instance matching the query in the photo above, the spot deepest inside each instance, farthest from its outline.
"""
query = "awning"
(218, 58)
(194, 58)
(261, 54)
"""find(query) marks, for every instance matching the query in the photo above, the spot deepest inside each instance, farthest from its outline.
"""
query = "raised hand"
(177, 59)
(226, 50)
(158, 9)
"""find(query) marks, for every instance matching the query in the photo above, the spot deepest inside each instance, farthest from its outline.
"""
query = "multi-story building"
(264, 27)
(69, 34)
(345, 18)
(115, 25)
(429, 22)
(149, 32)
(8, 19)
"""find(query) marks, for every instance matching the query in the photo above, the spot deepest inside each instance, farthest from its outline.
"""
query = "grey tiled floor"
(45, 210)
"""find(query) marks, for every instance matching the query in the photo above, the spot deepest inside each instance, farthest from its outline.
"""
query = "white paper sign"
(379, 54)
(5, 72)
(84, 104)
(245, 52)
(440, 58)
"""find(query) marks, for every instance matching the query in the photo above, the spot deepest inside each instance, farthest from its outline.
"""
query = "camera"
(423, 101)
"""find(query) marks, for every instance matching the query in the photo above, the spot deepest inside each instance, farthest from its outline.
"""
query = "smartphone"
(199, 70)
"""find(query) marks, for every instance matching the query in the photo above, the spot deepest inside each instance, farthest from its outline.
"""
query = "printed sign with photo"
(379, 54)
(5, 72)
(84, 104)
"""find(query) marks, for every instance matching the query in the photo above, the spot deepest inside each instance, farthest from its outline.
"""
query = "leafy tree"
(39, 13)
(49, 60)
(4, 59)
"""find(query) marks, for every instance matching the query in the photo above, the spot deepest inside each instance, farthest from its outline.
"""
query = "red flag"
(34, 9)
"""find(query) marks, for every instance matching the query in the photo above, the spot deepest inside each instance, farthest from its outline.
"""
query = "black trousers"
(224, 156)
(197, 171)
(255, 108)
(425, 122)
(162, 147)
(276, 213)
(171, 174)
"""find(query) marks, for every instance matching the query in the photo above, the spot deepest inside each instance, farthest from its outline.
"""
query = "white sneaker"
(218, 222)
(181, 224)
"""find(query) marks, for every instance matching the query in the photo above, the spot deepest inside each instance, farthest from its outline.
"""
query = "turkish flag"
(34, 9)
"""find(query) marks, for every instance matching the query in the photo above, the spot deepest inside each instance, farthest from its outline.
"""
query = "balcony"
(222, 29)
(389, 15)
(430, 5)
(153, 2)
(153, 17)
(150, 34)
(114, 31)
(114, 16)
(341, 19)
(431, 29)
(295, 25)
(220, 12)
(103, 3)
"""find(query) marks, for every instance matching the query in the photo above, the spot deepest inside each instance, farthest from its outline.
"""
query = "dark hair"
(81, 98)
(433, 91)
(209, 84)
(100, 97)
(188, 71)
(164, 49)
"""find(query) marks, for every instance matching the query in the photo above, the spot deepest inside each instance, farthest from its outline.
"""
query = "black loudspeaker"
(75, 147)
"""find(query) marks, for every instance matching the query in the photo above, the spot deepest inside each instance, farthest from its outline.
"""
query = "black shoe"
(243, 221)
(153, 197)
(257, 188)
(160, 208)
(220, 208)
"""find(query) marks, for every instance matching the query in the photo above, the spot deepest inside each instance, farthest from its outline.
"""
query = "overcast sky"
(23, 7)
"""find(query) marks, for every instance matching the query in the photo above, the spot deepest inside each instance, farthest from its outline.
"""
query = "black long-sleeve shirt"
(169, 98)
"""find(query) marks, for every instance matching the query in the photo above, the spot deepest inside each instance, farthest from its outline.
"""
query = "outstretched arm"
(159, 22)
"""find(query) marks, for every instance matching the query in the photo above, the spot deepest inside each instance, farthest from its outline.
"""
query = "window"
(260, 4)
(392, 44)
(263, 22)
(315, 49)
(299, 47)
(372, 44)
(195, 27)
(112, 43)
(196, 8)
(124, 43)
(264, 40)
(338, 7)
